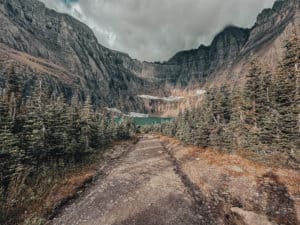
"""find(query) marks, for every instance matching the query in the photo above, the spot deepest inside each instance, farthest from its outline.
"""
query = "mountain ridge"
(113, 78)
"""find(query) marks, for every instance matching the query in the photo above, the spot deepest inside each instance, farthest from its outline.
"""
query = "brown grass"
(72, 184)
(51, 188)
(38, 65)
(242, 159)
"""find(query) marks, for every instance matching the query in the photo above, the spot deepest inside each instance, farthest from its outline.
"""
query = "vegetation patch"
(260, 120)
(43, 139)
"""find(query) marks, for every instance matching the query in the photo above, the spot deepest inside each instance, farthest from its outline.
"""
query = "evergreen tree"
(251, 93)
(13, 91)
(33, 132)
(56, 122)
(221, 111)
(98, 138)
(86, 121)
(267, 115)
(74, 129)
(202, 131)
(237, 123)
(9, 151)
(184, 127)
(251, 105)
(287, 97)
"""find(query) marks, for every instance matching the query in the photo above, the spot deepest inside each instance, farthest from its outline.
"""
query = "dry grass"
(38, 65)
(239, 178)
(241, 159)
(41, 195)
(52, 195)
(70, 187)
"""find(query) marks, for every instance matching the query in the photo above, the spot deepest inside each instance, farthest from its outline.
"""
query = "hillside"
(55, 47)
(30, 30)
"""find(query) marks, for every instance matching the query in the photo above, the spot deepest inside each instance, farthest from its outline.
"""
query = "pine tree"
(252, 104)
(111, 128)
(202, 131)
(9, 151)
(221, 110)
(98, 139)
(184, 127)
(56, 123)
(86, 117)
(33, 132)
(251, 93)
(267, 115)
(287, 97)
(74, 129)
(237, 123)
(13, 91)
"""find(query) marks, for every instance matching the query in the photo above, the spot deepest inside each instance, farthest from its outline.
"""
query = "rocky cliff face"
(234, 44)
(196, 64)
(44, 44)
(271, 23)
(199, 63)
(27, 26)
(229, 47)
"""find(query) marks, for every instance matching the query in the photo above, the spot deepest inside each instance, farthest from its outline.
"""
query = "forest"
(261, 118)
(43, 136)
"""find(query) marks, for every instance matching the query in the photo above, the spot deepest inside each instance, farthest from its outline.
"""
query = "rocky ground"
(161, 182)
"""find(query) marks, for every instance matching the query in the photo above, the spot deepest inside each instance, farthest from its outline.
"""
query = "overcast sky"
(154, 30)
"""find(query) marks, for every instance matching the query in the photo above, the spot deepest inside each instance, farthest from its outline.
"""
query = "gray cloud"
(156, 29)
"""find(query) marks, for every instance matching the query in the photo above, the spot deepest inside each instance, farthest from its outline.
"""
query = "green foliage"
(44, 132)
(287, 96)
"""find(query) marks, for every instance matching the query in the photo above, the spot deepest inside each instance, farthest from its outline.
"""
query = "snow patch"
(131, 114)
(115, 110)
(200, 92)
(140, 115)
(167, 99)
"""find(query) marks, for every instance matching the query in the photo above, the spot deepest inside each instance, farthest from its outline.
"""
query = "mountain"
(65, 53)
(225, 61)
(234, 44)
(44, 44)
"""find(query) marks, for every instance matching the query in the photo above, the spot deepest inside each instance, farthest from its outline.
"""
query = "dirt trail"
(144, 188)
(159, 181)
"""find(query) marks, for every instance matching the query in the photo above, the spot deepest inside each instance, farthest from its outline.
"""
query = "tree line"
(262, 117)
(44, 130)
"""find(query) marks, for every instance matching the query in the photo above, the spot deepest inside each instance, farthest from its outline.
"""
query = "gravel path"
(141, 189)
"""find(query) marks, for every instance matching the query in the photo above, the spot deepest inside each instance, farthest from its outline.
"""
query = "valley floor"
(161, 182)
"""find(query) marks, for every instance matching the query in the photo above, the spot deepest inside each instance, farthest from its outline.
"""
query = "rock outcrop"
(27, 26)
(199, 63)
(271, 23)
(242, 217)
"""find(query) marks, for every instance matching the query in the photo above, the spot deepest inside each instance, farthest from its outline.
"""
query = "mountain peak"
(226, 44)
(279, 7)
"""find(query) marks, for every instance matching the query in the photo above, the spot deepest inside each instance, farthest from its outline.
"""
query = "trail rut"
(146, 187)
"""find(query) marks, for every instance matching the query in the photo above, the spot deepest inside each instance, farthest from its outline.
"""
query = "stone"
(242, 217)
(236, 169)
